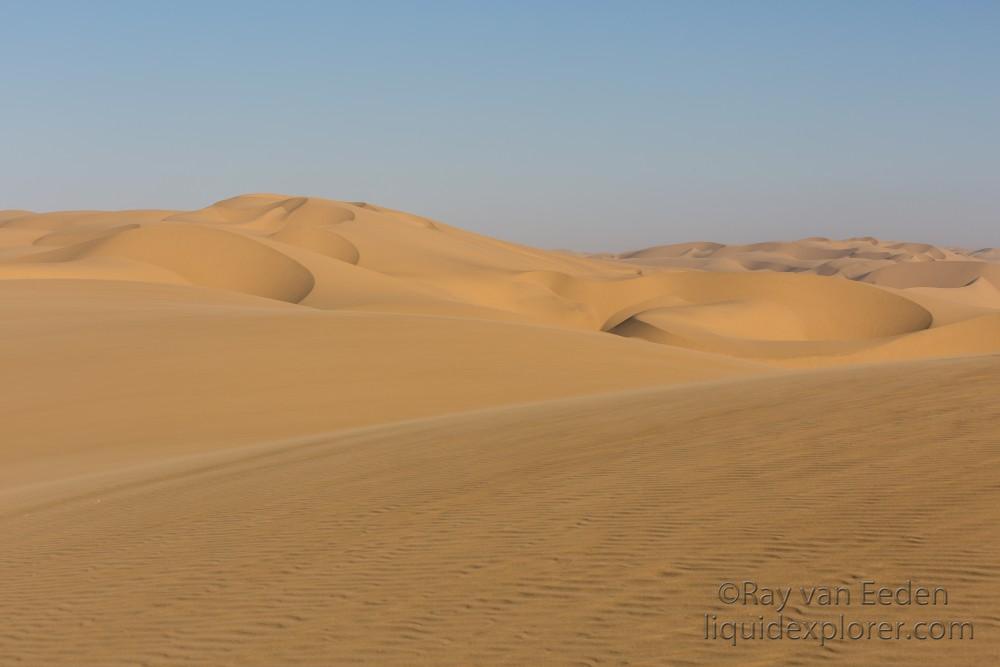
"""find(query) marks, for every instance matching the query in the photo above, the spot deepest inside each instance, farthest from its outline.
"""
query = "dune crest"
(289, 430)
(748, 300)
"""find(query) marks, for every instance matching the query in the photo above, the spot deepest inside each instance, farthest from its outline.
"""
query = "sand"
(288, 430)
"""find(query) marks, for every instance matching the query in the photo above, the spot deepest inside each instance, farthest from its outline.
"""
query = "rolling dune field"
(294, 431)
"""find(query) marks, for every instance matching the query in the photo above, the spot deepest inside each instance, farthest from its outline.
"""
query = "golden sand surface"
(288, 430)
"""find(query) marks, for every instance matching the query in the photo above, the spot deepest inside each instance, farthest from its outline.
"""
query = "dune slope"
(582, 531)
(130, 371)
(285, 430)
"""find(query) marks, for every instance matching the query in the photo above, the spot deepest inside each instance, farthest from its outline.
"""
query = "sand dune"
(289, 430)
(589, 531)
(935, 274)
(177, 369)
(950, 285)
(987, 254)
(888, 263)
(201, 256)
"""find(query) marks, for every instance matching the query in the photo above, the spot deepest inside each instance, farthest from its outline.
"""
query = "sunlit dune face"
(287, 430)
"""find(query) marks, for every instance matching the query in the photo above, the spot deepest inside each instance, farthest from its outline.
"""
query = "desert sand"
(288, 430)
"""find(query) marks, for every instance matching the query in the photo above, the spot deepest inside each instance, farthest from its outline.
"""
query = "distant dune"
(287, 430)
(857, 258)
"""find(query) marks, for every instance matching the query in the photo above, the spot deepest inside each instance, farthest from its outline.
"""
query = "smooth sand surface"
(287, 430)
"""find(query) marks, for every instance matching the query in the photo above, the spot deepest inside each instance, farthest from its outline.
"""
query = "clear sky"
(585, 125)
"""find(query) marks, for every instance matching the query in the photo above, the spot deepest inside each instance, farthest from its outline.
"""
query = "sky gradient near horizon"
(585, 125)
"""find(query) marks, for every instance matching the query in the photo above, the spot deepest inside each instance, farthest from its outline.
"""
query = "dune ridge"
(290, 430)
(352, 255)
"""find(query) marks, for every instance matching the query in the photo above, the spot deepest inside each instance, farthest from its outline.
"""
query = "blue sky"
(564, 124)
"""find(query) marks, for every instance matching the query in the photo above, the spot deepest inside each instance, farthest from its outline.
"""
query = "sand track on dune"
(586, 531)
